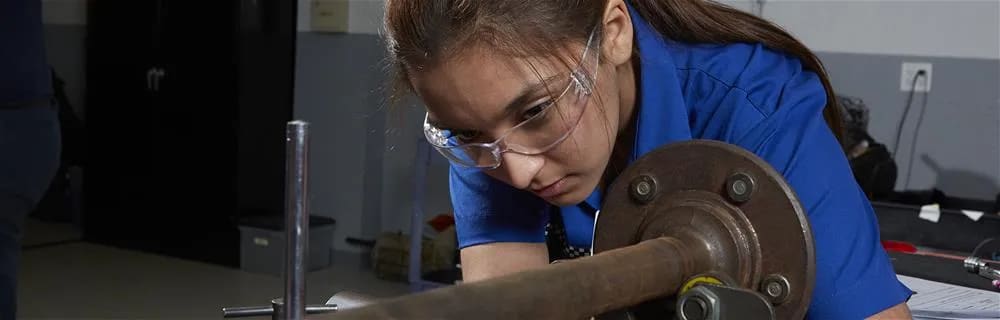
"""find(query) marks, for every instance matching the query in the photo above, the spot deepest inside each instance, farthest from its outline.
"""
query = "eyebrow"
(523, 97)
(526, 93)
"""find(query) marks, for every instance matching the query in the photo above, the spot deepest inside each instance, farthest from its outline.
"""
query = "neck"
(628, 78)
(622, 150)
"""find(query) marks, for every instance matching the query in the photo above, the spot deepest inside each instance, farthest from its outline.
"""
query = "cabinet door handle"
(150, 75)
(160, 74)
(153, 77)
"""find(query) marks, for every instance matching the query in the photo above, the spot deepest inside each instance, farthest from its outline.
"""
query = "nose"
(518, 170)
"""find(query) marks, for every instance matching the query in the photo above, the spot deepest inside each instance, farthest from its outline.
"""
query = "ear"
(617, 44)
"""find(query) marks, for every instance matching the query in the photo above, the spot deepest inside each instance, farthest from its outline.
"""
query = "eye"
(536, 110)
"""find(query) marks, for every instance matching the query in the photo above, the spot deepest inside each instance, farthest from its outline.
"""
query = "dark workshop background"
(364, 155)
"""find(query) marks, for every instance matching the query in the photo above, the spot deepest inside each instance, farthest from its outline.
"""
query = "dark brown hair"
(421, 33)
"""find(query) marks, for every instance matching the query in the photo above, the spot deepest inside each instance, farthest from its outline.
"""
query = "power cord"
(758, 7)
(906, 110)
(975, 252)
(916, 137)
(902, 121)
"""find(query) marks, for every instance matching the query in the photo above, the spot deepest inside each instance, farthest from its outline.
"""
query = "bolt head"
(698, 298)
(695, 308)
(776, 288)
(739, 187)
(643, 189)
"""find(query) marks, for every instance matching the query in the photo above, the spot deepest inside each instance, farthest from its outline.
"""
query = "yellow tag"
(699, 280)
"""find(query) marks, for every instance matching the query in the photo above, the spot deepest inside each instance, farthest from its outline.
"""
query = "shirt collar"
(662, 115)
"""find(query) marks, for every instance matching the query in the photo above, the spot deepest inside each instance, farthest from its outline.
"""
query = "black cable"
(913, 142)
(906, 111)
(980, 246)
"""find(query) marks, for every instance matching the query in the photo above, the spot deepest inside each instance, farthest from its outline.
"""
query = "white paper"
(936, 300)
(931, 212)
(974, 215)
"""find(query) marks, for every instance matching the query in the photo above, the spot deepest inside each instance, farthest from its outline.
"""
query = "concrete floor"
(87, 281)
(38, 233)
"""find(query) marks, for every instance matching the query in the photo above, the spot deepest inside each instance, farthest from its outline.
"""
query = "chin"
(569, 198)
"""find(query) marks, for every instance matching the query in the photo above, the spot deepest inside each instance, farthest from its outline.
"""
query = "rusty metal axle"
(591, 285)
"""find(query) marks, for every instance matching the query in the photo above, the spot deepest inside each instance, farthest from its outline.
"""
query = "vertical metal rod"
(296, 217)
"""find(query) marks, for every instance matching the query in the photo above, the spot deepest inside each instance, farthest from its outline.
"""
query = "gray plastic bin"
(262, 244)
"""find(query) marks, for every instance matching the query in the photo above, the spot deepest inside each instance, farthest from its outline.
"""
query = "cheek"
(587, 149)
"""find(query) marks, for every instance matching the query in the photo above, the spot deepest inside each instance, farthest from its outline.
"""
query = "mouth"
(552, 190)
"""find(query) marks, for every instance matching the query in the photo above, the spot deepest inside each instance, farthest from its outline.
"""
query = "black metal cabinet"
(186, 106)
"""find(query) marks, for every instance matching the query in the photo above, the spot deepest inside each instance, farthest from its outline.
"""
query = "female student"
(539, 105)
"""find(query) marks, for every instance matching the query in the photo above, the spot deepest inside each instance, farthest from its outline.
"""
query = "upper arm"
(854, 278)
(500, 229)
(483, 261)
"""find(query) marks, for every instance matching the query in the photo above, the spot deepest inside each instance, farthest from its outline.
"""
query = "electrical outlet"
(909, 70)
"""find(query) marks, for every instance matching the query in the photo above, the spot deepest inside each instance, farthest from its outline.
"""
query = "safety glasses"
(545, 126)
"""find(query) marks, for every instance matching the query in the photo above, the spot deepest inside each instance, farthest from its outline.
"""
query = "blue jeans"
(29, 158)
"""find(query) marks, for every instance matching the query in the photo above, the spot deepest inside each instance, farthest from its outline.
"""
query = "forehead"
(472, 89)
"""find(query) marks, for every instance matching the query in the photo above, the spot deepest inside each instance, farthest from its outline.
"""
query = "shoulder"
(752, 69)
(742, 91)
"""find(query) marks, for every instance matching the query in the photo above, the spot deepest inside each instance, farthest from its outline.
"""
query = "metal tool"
(339, 302)
(982, 268)
(350, 300)
(297, 217)
(714, 302)
(681, 218)
(292, 306)
(275, 311)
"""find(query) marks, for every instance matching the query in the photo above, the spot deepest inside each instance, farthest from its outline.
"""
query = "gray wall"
(947, 28)
(399, 166)
(335, 76)
(958, 143)
(363, 154)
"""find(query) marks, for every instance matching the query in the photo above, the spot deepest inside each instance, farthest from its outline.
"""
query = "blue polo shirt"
(742, 94)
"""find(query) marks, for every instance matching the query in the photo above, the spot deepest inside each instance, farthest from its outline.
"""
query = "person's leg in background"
(29, 133)
(29, 157)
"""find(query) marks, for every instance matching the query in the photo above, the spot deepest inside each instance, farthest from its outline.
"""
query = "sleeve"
(487, 210)
(854, 276)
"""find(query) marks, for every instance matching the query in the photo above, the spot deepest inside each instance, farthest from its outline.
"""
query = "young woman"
(539, 105)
